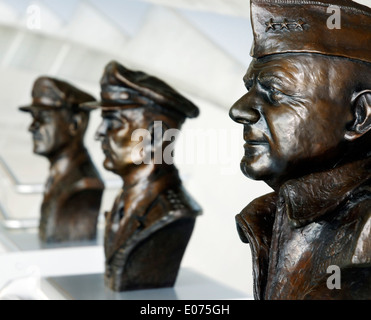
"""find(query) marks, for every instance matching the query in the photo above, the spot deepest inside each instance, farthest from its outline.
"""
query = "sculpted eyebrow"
(248, 80)
(41, 115)
(114, 116)
(283, 82)
(270, 79)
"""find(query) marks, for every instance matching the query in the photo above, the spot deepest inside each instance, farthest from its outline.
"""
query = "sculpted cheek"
(115, 149)
(286, 130)
(47, 138)
(123, 134)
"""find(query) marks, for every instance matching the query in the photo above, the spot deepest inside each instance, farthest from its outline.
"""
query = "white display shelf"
(75, 272)
(190, 285)
(28, 240)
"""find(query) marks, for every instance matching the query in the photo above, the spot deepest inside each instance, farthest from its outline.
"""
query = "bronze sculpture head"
(307, 121)
(152, 207)
(57, 120)
(124, 108)
(288, 129)
(74, 189)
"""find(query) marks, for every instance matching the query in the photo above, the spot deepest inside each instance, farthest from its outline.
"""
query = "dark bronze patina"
(73, 191)
(152, 219)
(307, 120)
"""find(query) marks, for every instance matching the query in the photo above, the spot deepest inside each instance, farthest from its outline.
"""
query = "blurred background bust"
(74, 189)
(152, 219)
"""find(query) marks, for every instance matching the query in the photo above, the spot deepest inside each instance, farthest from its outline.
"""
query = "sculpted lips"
(37, 137)
(254, 136)
(254, 140)
(254, 148)
(105, 148)
(255, 144)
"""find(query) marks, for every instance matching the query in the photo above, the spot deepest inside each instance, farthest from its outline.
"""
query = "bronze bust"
(307, 120)
(73, 191)
(152, 219)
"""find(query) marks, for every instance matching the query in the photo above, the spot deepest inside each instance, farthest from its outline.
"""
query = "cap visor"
(102, 105)
(29, 108)
(90, 105)
(25, 108)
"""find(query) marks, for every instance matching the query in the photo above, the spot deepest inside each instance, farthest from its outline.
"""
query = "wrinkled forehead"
(293, 66)
(304, 74)
(284, 65)
(308, 75)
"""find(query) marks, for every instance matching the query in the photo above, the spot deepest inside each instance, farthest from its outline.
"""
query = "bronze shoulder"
(177, 202)
(257, 218)
(362, 252)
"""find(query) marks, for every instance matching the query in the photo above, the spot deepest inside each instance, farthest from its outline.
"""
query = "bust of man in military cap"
(73, 191)
(152, 219)
(307, 121)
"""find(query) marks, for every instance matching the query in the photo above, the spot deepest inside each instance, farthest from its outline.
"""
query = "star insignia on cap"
(284, 24)
(270, 25)
(299, 24)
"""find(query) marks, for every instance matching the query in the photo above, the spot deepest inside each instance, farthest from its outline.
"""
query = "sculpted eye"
(272, 93)
(272, 88)
(118, 124)
(248, 84)
(45, 120)
(114, 123)
(275, 94)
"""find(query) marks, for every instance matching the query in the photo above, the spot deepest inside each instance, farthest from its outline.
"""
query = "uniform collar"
(144, 195)
(311, 197)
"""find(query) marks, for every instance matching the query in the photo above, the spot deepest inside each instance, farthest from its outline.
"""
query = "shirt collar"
(311, 197)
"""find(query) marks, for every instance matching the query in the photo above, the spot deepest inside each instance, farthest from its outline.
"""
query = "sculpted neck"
(141, 182)
(142, 175)
(62, 157)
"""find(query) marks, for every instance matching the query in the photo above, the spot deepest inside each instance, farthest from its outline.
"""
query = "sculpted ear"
(362, 116)
(75, 126)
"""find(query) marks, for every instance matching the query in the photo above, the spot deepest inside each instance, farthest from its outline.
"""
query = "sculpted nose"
(243, 112)
(101, 131)
(34, 126)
